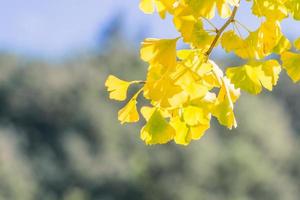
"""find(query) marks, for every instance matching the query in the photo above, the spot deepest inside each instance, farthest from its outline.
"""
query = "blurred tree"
(59, 140)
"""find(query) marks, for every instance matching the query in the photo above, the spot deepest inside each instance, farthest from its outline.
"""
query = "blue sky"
(59, 27)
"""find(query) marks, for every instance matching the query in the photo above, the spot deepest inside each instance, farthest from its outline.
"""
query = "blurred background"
(59, 134)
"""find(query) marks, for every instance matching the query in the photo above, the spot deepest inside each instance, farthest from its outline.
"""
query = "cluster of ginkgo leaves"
(185, 88)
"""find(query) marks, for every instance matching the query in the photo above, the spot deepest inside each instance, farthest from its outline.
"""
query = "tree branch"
(221, 30)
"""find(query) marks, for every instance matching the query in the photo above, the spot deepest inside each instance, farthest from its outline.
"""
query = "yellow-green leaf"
(255, 75)
(157, 130)
(291, 63)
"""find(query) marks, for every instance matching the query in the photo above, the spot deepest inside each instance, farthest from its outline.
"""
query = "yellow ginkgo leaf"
(148, 111)
(224, 8)
(183, 135)
(162, 6)
(117, 88)
(283, 45)
(271, 9)
(129, 112)
(207, 8)
(223, 109)
(291, 63)
(190, 82)
(228, 45)
(258, 44)
(194, 115)
(192, 31)
(294, 8)
(297, 44)
(157, 130)
(198, 131)
(159, 51)
(147, 6)
(195, 60)
(196, 90)
(255, 75)
(161, 89)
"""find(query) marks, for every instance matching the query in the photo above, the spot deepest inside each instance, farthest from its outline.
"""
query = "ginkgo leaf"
(159, 51)
(117, 88)
(224, 113)
(291, 63)
(157, 130)
(194, 116)
(297, 44)
(283, 45)
(196, 90)
(147, 6)
(223, 109)
(255, 75)
(223, 8)
(257, 45)
(148, 111)
(228, 45)
(162, 90)
(271, 9)
(189, 82)
(195, 60)
(206, 8)
(207, 103)
(294, 8)
(183, 135)
(192, 30)
(129, 112)
(162, 6)
(198, 131)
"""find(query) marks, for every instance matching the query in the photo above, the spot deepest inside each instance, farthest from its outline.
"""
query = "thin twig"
(221, 30)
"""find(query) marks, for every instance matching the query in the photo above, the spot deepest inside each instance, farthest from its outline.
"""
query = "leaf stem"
(210, 23)
(243, 26)
(137, 82)
(221, 30)
(135, 96)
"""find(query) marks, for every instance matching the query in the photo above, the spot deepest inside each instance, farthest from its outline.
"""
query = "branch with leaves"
(185, 88)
